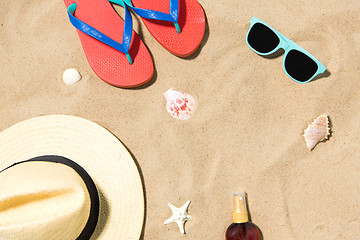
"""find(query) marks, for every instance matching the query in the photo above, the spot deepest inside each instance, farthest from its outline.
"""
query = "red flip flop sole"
(191, 21)
(108, 63)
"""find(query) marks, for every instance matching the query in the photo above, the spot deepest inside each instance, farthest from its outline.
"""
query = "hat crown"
(41, 200)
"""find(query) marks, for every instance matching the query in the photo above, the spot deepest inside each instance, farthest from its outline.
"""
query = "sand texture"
(246, 132)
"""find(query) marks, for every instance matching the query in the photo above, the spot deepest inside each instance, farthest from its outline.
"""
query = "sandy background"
(246, 133)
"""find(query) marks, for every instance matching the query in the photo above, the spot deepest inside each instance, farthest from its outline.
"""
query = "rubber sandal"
(178, 25)
(114, 51)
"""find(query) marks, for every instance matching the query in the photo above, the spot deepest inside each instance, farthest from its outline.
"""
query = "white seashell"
(317, 131)
(71, 76)
(180, 105)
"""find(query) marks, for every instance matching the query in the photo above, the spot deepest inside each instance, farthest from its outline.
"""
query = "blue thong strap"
(87, 29)
(151, 14)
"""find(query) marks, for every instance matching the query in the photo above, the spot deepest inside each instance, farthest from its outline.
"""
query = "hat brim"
(99, 152)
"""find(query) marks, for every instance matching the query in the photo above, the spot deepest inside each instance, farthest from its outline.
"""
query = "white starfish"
(180, 216)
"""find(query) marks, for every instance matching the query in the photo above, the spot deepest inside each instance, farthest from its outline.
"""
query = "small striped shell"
(317, 131)
(180, 105)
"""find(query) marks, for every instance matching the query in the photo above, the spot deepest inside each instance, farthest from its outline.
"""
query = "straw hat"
(86, 146)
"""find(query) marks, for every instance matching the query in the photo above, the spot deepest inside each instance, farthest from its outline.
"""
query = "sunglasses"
(298, 64)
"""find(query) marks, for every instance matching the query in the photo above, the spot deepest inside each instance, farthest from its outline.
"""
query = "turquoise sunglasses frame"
(287, 45)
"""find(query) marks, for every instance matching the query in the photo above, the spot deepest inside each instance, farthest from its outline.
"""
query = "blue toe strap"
(87, 29)
(151, 14)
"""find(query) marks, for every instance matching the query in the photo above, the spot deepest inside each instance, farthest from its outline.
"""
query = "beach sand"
(246, 133)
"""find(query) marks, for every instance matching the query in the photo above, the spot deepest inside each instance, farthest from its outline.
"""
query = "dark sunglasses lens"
(300, 66)
(262, 39)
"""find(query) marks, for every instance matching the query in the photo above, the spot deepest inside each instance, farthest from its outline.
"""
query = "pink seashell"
(317, 131)
(180, 105)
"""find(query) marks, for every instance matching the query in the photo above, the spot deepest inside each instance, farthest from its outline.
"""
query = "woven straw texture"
(40, 200)
(99, 152)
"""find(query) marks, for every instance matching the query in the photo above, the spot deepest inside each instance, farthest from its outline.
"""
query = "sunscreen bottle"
(241, 228)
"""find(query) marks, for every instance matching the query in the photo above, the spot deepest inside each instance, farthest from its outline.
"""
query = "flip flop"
(114, 51)
(178, 25)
